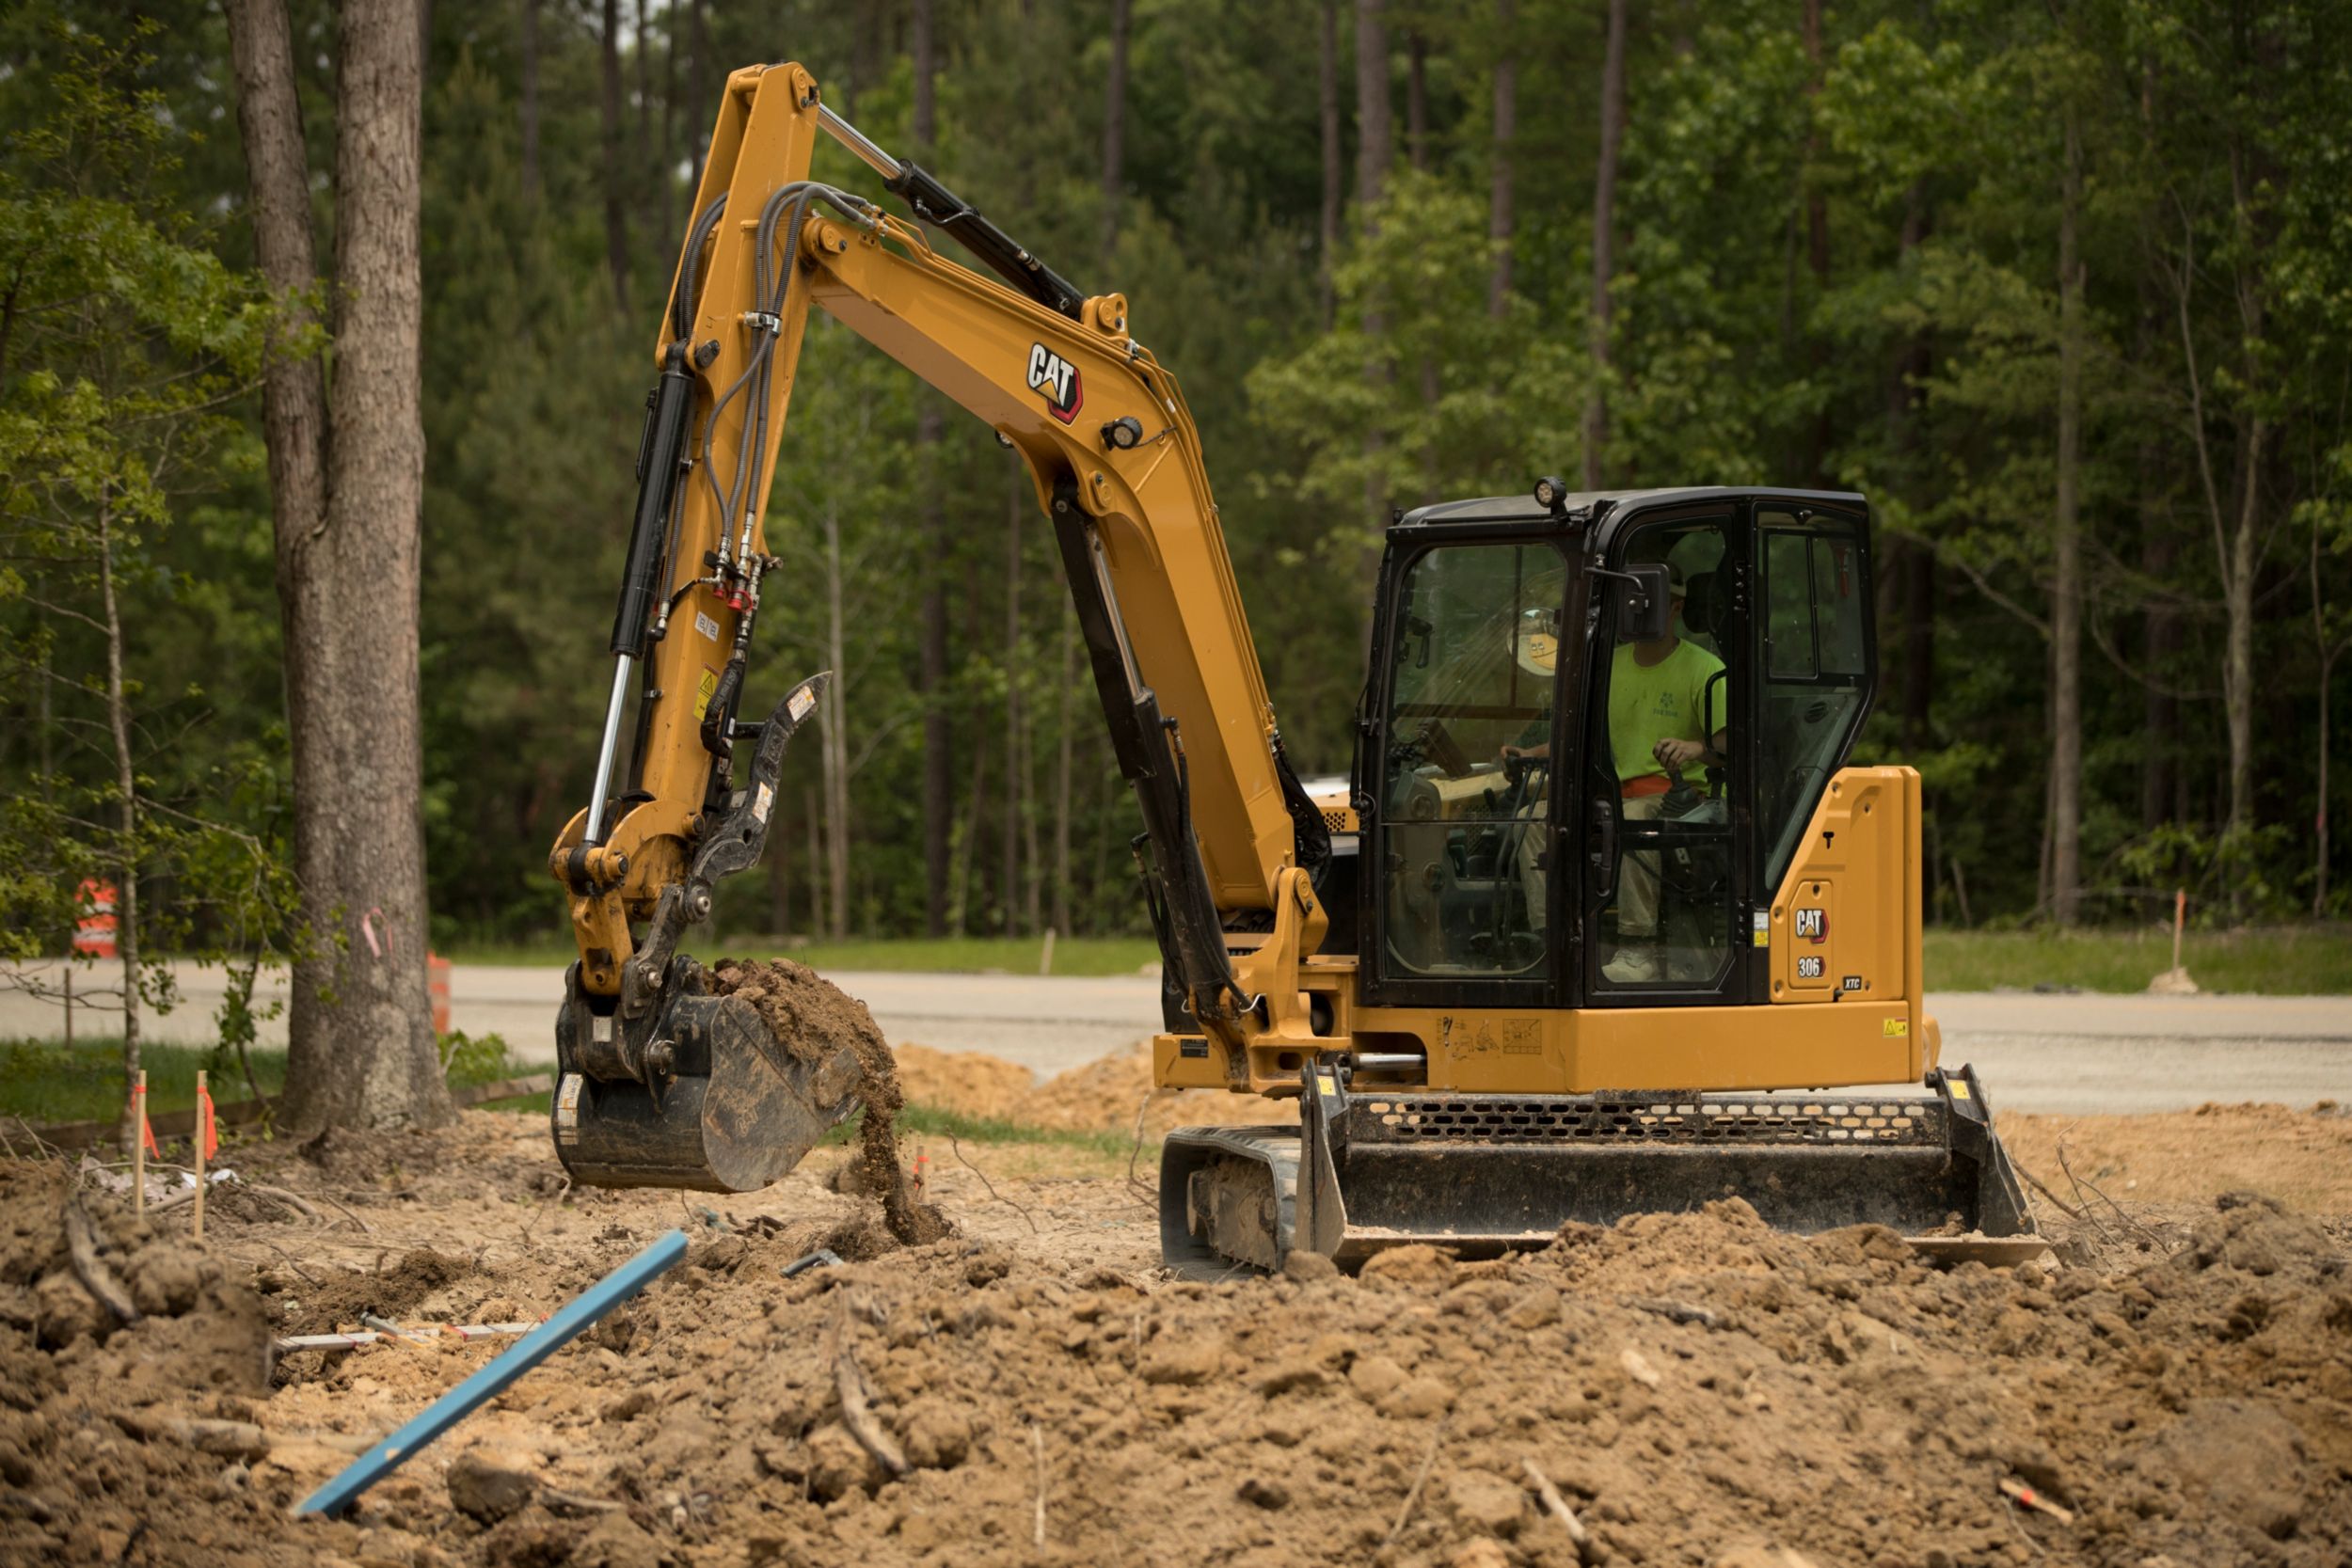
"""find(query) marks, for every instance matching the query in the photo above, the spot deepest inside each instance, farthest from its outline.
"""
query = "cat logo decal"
(1057, 378)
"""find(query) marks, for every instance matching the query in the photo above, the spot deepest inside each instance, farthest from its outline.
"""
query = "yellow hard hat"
(1539, 641)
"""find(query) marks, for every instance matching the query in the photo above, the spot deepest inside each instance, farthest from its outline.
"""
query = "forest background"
(2065, 288)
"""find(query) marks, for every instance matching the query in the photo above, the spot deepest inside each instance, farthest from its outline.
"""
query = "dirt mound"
(1101, 1097)
(971, 1082)
(812, 1019)
(2303, 1157)
(110, 1418)
(1696, 1385)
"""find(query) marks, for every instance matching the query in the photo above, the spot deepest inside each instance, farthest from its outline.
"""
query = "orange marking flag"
(207, 1128)
(146, 1129)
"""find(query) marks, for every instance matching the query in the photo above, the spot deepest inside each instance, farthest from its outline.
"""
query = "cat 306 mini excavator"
(1514, 977)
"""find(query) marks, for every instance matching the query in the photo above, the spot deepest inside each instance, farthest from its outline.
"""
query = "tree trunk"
(1015, 742)
(2066, 591)
(1065, 720)
(1913, 561)
(700, 113)
(1417, 101)
(931, 673)
(1373, 120)
(865, 57)
(1374, 153)
(813, 813)
(667, 157)
(645, 81)
(779, 882)
(126, 814)
(1500, 220)
(835, 752)
(531, 100)
(1604, 242)
(967, 840)
(2237, 663)
(361, 1049)
(1334, 156)
(1815, 225)
(1114, 130)
(615, 210)
(2329, 653)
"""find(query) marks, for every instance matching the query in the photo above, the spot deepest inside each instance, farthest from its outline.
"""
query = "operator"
(1656, 727)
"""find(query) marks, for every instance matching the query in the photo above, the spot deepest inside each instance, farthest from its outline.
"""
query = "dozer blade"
(668, 1085)
(1484, 1174)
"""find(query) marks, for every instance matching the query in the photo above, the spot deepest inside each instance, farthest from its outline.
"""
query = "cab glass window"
(1660, 759)
(1815, 632)
(1466, 780)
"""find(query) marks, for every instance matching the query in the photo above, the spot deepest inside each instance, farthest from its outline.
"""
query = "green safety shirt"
(1664, 701)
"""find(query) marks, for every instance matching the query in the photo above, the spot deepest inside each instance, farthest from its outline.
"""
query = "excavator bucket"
(1484, 1174)
(720, 1103)
(669, 1085)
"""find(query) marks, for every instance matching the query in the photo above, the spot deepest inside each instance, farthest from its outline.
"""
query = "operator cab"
(1595, 727)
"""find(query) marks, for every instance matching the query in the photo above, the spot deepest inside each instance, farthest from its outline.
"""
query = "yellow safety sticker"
(1326, 1081)
(1763, 936)
(705, 689)
(1896, 1028)
(1958, 1086)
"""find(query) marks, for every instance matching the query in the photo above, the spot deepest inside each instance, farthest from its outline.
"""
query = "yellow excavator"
(1595, 923)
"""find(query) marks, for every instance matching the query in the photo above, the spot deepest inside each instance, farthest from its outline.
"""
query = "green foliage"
(128, 341)
(45, 1080)
(476, 1059)
(1913, 358)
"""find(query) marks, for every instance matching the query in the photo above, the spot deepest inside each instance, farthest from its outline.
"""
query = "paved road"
(2066, 1054)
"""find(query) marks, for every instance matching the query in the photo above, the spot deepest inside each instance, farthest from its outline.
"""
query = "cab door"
(1459, 882)
(1667, 895)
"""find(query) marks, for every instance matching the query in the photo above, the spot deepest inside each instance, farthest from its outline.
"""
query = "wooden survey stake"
(202, 1135)
(138, 1146)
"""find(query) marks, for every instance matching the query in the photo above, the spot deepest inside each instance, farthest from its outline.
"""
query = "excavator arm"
(1230, 837)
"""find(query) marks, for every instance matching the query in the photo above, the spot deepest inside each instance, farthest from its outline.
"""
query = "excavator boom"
(1117, 463)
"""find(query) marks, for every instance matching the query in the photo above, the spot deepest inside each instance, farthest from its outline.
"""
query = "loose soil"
(1699, 1388)
(814, 1018)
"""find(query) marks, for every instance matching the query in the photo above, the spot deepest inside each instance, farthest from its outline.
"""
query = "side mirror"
(1645, 612)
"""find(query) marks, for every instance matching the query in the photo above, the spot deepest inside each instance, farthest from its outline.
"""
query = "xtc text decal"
(1057, 378)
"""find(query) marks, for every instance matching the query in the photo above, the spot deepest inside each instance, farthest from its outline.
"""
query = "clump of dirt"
(338, 1301)
(813, 1018)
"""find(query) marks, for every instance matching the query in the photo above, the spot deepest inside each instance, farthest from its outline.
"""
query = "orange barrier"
(94, 933)
(437, 972)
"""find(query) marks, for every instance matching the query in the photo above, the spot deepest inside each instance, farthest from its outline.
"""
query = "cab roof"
(1523, 508)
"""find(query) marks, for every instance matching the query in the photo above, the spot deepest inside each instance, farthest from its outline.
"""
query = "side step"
(1484, 1174)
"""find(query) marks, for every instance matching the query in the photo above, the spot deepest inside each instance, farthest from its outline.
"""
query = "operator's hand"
(1678, 753)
